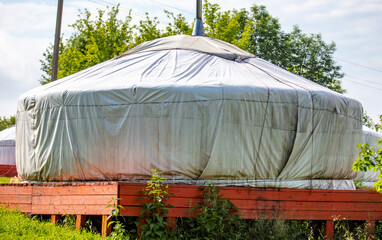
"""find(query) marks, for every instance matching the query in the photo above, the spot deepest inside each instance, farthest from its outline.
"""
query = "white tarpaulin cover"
(7, 146)
(216, 114)
(372, 138)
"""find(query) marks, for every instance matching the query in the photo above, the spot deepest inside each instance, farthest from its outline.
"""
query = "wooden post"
(370, 229)
(80, 221)
(105, 228)
(171, 222)
(54, 218)
(329, 229)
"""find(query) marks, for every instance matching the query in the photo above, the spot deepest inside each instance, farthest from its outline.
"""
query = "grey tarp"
(7, 146)
(196, 115)
(372, 138)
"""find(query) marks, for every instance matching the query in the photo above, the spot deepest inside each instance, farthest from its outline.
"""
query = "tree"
(368, 121)
(92, 42)
(7, 122)
(255, 31)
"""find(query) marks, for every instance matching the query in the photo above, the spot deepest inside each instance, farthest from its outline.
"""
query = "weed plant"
(119, 230)
(153, 223)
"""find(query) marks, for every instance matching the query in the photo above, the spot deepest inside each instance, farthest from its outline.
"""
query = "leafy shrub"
(213, 218)
(153, 224)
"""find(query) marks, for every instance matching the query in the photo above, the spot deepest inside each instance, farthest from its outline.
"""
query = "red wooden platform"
(8, 170)
(91, 198)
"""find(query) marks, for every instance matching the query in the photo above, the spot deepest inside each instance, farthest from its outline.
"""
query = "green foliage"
(92, 42)
(257, 32)
(155, 209)
(378, 126)
(7, 122)
(15, 225)
(119, 231)
(69, 221)
(218, 218)
(5, 179)
(367, 121)
(147, 30)
(90, 227)
(213, 218)
(178, 25)
(349, 230)
(370, 158)
(254, 30)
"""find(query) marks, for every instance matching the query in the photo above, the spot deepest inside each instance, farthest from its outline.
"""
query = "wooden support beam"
(171, 222)
(80, 221)
(370, 229)
(54, 218)
(329, 229)
(105, 228)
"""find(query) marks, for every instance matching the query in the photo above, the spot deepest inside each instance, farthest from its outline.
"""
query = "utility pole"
(198, 26)
(57, 40)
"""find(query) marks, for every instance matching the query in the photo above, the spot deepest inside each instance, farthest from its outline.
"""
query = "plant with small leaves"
(153, 224)
(370, 158)
(7, 122)
(89, 226)
(378, 126)
(214, 217)
(119, 231)
(69, 220)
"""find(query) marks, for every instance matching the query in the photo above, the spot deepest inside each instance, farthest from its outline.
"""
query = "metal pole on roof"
(198, 26)
(57, 40)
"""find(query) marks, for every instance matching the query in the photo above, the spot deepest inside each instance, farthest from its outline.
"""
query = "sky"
(27, 28)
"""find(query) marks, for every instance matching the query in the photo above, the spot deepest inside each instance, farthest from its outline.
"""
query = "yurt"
(197, 108)
(372, 138)
(7, 152)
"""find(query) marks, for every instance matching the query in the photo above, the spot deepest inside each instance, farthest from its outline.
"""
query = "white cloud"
(19, 18)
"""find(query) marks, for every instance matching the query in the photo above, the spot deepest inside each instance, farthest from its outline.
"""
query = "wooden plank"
(370, 229)
(133, 189)
(72, 199)
(54, 218)
(80, 221)
(19, 189)
(329, 230)
(83, 209)
(247, 193)
(23, 207)
(106, 229)
(171, 222)
(173, 212)
(303, 206)
(8, 170)
(267, 214)
(311, 215)
(267, 205)
(308, 195)
(15, 198)
(111, 189)
(175, 201)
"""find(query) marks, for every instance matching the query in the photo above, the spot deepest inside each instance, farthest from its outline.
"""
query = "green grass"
(5, 179)
(16, 225)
